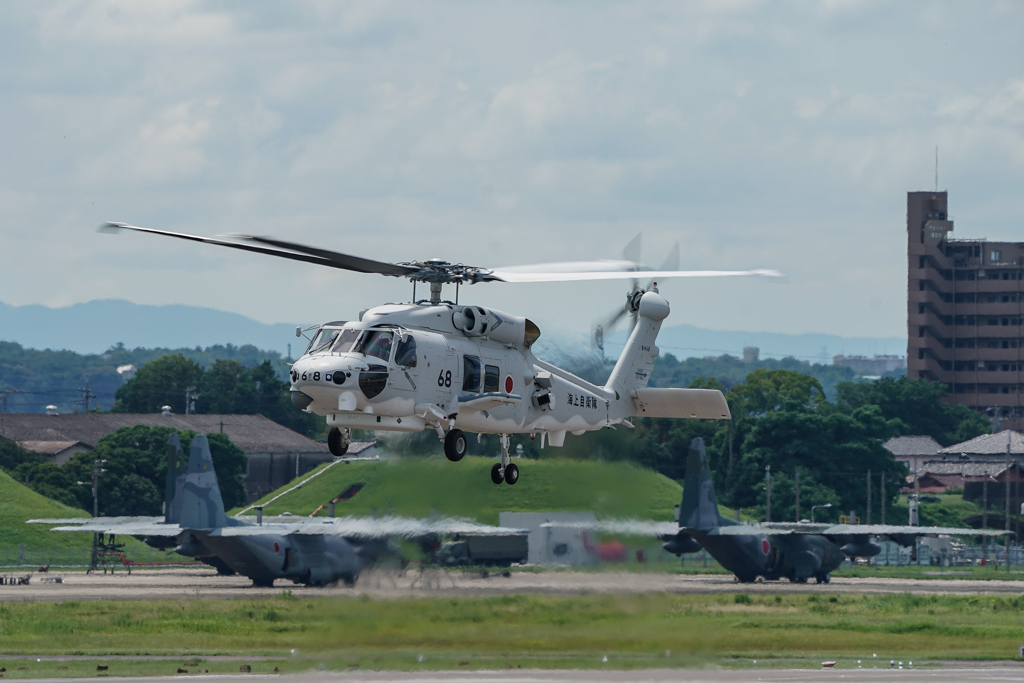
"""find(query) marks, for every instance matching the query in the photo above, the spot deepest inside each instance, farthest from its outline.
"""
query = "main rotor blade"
(356, 263)
(516, 275)
(305, 257)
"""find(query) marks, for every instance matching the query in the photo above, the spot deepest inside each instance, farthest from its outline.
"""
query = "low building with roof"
(913, 451)
(987, 447)
(275, 454)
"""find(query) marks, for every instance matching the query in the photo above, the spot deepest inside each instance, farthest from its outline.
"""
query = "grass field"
(531, 631)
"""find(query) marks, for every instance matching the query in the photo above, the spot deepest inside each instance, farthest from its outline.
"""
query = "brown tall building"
(965, 306)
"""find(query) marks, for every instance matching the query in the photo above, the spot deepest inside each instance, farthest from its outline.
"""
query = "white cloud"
(759, 134)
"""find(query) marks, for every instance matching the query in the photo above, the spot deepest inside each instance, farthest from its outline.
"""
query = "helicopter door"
(438, 375)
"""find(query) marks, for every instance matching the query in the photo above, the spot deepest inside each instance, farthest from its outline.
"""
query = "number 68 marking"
(444, 379)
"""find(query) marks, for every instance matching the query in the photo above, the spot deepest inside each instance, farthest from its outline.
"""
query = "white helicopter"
(436, 364)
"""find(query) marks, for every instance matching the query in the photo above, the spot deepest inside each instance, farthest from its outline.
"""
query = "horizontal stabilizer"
(784, 529)
(700, 404)
(367, 527)
(128, 529)
(98, 520)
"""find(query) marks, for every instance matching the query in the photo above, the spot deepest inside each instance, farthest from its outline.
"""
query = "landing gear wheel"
(455, 445)
(511, 474)
(496, 476)
(338, 441)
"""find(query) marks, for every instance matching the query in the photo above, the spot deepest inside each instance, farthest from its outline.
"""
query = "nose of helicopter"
(321, 379)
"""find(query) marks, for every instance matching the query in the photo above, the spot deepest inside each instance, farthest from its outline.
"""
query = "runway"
(929, 674)
(172, 584)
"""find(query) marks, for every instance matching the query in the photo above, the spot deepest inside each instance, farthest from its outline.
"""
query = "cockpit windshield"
(325, 336)
(376, 343)
(345, 341)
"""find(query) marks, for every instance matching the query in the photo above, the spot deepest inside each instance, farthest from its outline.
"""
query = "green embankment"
(19, 503)
(419, 487)
(529, 630)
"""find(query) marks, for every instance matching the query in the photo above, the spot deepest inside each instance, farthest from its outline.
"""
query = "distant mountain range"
(95, 326)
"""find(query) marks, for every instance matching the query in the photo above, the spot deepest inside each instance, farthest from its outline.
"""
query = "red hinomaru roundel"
(765, 546)
(277, 548)
(509, 384)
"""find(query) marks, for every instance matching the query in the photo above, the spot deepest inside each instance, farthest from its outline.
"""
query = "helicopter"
(456, 368)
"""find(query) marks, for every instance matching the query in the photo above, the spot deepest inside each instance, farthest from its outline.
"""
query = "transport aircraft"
(314, 551)
(796, 551)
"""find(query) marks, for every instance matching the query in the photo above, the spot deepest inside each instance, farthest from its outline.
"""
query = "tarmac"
(205, 583)
(921, 675)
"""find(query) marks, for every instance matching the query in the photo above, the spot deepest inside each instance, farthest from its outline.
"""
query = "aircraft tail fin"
(633, 369)
(699, 509)
(201, 504)
(177, 465)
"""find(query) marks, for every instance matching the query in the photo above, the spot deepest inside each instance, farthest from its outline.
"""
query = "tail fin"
(176, 468)
(699, 509)
(201, 504)
(633, 369)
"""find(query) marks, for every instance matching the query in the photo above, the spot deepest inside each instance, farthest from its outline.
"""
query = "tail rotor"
(631, 307)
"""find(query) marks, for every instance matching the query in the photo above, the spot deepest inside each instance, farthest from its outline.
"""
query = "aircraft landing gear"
(455, 445)
(822, 578)
(338, 441)
(504, 470)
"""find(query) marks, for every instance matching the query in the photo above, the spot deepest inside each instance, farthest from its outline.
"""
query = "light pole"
(97, 470)
(815, 507)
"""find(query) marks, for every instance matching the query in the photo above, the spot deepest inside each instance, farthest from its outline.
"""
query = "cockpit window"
(405, 354)
(471, 374)
(345, 341)
(325, 336)
(376, 343)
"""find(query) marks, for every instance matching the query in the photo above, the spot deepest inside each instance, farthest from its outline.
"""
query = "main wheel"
(337, 442)
(455, 445)
(496, 476)
(511, 474)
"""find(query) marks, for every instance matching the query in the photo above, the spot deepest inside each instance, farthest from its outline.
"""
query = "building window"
(993, 390)
(995, 256)
(991, 367)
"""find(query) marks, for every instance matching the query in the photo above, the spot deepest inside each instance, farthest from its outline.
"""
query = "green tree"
(140, 452)
(133, 495)
(159, 383)
(919, 405)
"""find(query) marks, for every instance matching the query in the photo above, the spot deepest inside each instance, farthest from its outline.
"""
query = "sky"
(779, 135)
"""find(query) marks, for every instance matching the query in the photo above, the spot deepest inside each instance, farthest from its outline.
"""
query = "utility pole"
(768, 493)
(796, 488)
(869, 498)
(984, 514)
(97, 538)
(86, 395)
(1006, 474)
(881, 493)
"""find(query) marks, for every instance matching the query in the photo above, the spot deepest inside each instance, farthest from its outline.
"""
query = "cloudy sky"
(777, 135)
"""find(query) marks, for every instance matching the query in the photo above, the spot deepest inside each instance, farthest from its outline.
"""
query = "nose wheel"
(504, 470)
(338, 441)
